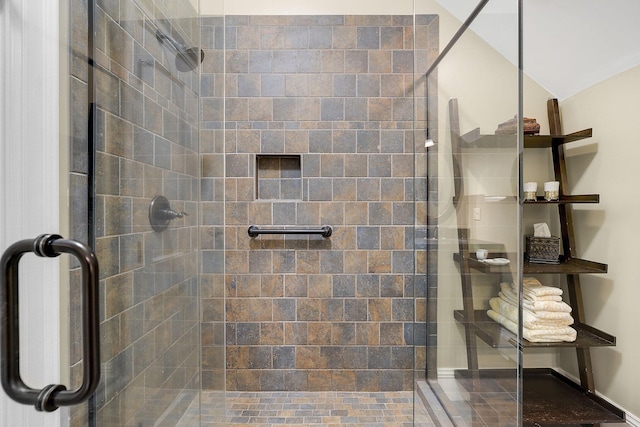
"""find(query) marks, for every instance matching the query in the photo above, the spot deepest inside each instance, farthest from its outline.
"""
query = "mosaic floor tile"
(258, 409)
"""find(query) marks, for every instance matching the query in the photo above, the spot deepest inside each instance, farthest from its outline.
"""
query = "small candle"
(530, 189)
(551, 190)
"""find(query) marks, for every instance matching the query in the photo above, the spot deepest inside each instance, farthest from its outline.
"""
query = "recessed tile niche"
(278, 177)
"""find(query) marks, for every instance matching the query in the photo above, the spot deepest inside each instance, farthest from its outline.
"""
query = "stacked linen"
(545, 317)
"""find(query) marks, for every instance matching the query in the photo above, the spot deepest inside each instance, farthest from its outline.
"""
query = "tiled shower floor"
(319, 409)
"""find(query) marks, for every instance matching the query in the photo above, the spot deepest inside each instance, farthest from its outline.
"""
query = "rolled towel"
(529, 320)
(567, 334)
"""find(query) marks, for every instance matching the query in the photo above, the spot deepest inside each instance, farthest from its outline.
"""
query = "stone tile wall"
(212, 208)
(146, 143)
(307, 313)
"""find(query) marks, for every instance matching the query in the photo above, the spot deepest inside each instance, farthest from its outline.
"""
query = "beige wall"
(608, 164)
(485, 84)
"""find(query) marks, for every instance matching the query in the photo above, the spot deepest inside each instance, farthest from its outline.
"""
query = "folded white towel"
(529, 320)
(542, 335)
(532, 286)
(532, 297)
(535, 305)
(548, 315)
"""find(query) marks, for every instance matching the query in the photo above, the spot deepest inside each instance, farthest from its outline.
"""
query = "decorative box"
(543, 249)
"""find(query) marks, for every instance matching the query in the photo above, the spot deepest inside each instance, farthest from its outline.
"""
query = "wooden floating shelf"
(584, 198)
(546, 141)
(474, 139)
(483, 266)
(494, 335)
(571, 266)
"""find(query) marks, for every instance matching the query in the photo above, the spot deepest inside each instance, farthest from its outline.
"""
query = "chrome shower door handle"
(52, 396)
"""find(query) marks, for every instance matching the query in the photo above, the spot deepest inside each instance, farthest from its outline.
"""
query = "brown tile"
(355, 261)
(295, 380)
(272, 38)
(237, 261)
(308, 310)
(249, 310)
(272, 379)
(344, 37)
(380, 61)
(319, 381)
(308, 357)
(119, 293)
(248, 37)
(237, 357)
(247, 380)
(380, 309)
(392, 334)
(332, 61)
(272, 285)
(308, 109)
(320, 286)
(368, 333)
(343, 380)
(295, 333)
(379, 261)
(343, 334)
(308, 262)
(421, 309)
(236, 109)
(248, 286)
(296, 286)
(260, 109)
(319, 333)
(368, 380)
(271, 334)
(391, 286)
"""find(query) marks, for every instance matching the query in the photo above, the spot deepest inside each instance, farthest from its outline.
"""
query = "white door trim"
(30, 187)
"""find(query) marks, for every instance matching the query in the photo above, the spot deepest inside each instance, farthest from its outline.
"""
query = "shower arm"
(162, 37)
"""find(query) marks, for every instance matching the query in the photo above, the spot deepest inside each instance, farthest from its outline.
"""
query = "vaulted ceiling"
(568, 45)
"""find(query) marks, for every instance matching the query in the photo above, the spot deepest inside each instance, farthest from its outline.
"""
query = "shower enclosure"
(166, 131)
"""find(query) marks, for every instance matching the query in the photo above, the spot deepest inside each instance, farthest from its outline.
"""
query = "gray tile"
(260, 61)
(368, 237)
(344, 85)
(368, 38)
(356, 109)
(296, 37)
(285, 61)
(332, 109)
(320, 37)
(273, 85)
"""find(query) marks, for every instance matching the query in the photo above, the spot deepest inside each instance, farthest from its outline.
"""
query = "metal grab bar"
(52, 396)
(325, 231)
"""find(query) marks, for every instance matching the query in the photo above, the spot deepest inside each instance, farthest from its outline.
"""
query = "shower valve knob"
(160, 213)
(171, 214)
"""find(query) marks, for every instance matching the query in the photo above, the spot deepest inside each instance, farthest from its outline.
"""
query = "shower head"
(187, 58)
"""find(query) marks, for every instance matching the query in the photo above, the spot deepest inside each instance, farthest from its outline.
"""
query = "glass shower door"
(473, 365)
(100, 116)
(143, 182)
